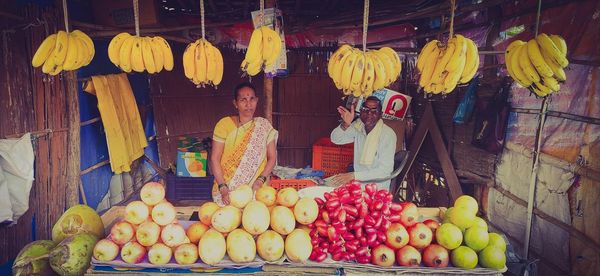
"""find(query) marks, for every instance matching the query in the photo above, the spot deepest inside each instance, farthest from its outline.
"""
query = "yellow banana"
(335, 57)
(49, 66)
(200, 61)
(389, 67)
(551, 83)
(395, 61)
(60, 49)
(527, 65)
(210, 61)
(337, 63)
(471, 62)
(125, 54)
(380, 74)
(559, 72)
(358, 72)
(88, 43)
(519, 75)
(255, 46)
(460, 52)
(70, 62)
(348, 68)
(368, 75)
(44, 51)
(426, 51)
(440, 66)
(218, 66)
(83, 53)
(540, 89)
(158, 55)
(55, 70)
(167, 53)
(452, 78)
(430, 63)
(137, 60)
(508, 53)
(114, 48)
(189, 63)
(275, 46)
(254, 68)
(560, 43)
(147, 55)
(535, 55)
(551, 50)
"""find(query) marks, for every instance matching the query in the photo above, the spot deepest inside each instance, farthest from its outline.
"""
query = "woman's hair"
(236, 90)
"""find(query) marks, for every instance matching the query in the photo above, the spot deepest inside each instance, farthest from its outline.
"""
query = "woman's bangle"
(262, 178)
(222, 185)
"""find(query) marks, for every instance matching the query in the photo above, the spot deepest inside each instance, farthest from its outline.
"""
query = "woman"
(243, 147)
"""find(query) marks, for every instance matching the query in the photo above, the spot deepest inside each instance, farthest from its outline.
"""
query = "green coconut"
(78, 219)
(33, 259)
(72, 256)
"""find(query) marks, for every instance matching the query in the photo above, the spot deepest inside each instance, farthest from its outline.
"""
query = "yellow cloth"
(237, 140)
(371, 144)
(121, 119)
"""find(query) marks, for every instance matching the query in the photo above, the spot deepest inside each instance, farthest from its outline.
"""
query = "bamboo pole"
(268, 82)
(73, 138)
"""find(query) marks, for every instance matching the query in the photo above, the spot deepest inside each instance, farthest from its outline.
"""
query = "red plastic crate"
(297, 184)
(331, 158)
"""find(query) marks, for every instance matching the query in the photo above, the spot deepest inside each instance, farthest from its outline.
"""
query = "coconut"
(78, 219)
(72, 256)
(24, 265)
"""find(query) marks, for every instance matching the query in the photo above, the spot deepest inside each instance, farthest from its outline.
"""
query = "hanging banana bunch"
(202, 62)
(263, 50)
(360, 72)
(538, 64)
(443, 66)
(64, 50)
(140, 53)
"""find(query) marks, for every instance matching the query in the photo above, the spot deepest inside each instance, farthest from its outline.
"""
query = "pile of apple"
(241, 229)
(365, 226)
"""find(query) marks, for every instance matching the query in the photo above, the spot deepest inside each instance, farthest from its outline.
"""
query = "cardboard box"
(192, 164)
(118, 13)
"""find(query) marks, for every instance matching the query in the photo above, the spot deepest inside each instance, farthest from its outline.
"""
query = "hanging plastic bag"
(467, 104)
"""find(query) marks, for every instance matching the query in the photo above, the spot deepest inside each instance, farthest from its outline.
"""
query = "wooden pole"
(73, 140)
(268, 82)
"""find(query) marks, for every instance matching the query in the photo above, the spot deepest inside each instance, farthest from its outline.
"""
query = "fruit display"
(139, 54)
(203, 63)
(64, 51)
(442, 66)
(263, 50)
(359, 73)
(538, 64)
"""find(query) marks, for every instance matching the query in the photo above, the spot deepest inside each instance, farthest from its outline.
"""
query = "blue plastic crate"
(189, 188)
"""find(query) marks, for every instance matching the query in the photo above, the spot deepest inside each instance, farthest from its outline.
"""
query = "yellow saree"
(245, 151)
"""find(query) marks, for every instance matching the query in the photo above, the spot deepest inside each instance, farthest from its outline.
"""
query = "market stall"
(113, 110)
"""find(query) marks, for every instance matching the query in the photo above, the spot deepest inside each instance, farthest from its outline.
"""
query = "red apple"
(195, 231)
(105, 250)
(433, 225)
(133, 252)
(186, 253)
(173, 235)
(382, 255)
(420, 235)
(397, 236)
(122, 232)
(435, 255)
(408, 256)
(136, 212)
(152, 193)
(147, 233)
(163, 213)
(409, 214)
(159, 254)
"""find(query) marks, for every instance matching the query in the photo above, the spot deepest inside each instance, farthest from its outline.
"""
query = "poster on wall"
(394, 104)
(273, 18)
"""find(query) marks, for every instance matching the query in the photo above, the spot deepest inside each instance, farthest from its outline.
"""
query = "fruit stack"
(366, 227)
(538, 63)
(150, 228)
(263, 50)
(139, 54)
(203, 63)
(359, 73)
(64, 51)
(444, 66)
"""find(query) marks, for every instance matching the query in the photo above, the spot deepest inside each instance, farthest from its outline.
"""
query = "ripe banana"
(263, 51)
(189, 67)
(535, 55)
(166, 51)
(125, 54)
(139, 54)
(203, 63)
(255, 46)
(471, 62)
(114, 48)
(551, 50)
(425, 52)
(44, 51)
(218, 67)
(137, 59)
(156, 54)
(70, 61)
(527, 66)
(335, 57)
(148, 56)
(519, 75)
(63, 51)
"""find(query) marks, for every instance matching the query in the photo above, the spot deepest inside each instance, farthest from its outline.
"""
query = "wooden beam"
(268, 82)
(73, 141)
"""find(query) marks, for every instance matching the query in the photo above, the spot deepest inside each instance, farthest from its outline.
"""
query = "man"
(374, 143)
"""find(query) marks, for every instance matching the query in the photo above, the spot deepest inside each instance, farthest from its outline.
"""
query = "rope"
(537, 19)
(202, 17)
(452, 8)
(262, 13)
(365, 25)
(136, 17)
(66, 15)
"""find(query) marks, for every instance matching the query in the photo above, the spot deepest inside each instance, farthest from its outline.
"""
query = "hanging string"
(537, 19)
(262, 13)
(365, 25)
(452, 8)
(136, 17)
(66, 15)
(202, 17)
